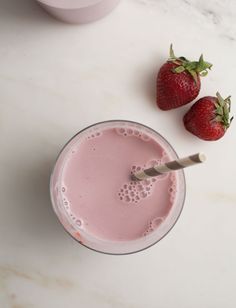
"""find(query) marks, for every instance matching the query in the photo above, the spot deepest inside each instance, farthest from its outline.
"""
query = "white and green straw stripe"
(170, 166)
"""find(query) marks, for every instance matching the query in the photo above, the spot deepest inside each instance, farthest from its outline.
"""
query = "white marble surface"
(55, 79)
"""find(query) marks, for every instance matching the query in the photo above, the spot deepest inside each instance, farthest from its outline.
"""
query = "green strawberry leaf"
(219, 111)
(218, 118)
(194, 75)
(179, 69)
(195, 68)
(172, 54)
(222, 111)
(203, 74)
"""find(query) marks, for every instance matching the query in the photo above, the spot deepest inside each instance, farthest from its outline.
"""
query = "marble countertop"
(55, 79)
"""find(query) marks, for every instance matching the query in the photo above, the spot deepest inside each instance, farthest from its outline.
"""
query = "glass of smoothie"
(95, 198)
(78, 11)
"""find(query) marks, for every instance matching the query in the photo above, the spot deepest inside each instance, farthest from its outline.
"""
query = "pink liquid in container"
(78, 11)
(97, 202)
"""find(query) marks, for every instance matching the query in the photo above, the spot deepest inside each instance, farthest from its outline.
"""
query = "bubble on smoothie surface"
(146, 182)
(145, 137)
(128, 131)
(63, 189)
(120, 131)
(133, 192)
(143, 194)
(66, 205)
(79, 222)
(140, 187)
(173, 187)
(93, 134)
(153, 225)
(164, 154)
(148, 230)
(127, 198)
(170, 190)
(75, 221)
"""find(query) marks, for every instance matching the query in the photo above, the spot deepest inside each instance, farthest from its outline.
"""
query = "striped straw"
(168, 167)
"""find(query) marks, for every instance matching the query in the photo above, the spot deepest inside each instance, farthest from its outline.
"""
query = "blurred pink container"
(78, 11)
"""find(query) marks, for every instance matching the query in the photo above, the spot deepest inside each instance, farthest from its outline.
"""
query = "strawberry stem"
(222, 111)
(195, 68)
(172, 54)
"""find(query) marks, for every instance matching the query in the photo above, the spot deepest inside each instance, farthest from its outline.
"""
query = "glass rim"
(113, 121)
(78, 4)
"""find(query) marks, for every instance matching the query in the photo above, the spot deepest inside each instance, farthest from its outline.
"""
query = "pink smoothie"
(79, 11)
(94, 189)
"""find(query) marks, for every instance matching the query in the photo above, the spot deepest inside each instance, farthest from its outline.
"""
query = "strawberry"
(208, 118)
(178, 81)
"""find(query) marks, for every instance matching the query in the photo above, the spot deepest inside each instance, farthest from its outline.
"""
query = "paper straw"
(168, 167)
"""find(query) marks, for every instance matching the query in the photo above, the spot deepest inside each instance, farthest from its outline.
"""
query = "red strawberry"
(208, 118)
(178, 81)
